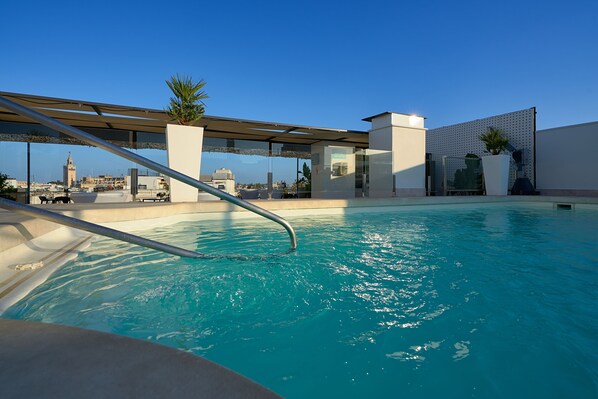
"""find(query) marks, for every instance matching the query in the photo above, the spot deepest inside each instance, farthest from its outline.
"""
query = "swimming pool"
(490, 301)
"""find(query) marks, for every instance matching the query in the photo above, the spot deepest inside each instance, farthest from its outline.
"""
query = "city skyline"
(48, 160)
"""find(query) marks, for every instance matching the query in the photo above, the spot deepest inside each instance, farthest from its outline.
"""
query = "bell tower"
(69, 172)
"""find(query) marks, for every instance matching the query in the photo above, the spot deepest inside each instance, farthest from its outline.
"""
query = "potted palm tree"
(496, 165)
(184, 139)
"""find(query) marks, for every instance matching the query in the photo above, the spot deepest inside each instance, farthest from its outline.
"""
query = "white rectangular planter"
(496, 174)
(183, 148)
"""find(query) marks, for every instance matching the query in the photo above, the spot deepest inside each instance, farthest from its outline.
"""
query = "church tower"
(69, 173)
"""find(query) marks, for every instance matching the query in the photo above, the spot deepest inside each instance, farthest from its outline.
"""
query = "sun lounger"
(64, 200)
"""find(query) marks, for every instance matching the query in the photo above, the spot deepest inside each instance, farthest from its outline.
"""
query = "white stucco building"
(222, 179)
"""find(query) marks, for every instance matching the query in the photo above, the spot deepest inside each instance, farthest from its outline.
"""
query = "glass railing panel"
(462, 176)
(378, 174)
(13, 168)
(333, 172)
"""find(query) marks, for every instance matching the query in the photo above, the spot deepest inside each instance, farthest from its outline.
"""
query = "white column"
(332, 171)
(399, 156)
(184, 146)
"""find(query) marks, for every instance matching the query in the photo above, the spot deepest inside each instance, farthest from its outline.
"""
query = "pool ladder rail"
(121, 152)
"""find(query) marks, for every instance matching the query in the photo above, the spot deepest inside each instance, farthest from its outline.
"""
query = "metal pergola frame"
(119, 118)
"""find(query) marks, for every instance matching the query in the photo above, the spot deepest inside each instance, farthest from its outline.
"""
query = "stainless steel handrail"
(95, 228)
(114, 149)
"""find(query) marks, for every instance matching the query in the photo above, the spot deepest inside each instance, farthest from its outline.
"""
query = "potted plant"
(496, 165)
(187, 106)
(184, 139)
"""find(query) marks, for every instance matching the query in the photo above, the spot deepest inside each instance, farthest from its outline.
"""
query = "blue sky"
(324, 63)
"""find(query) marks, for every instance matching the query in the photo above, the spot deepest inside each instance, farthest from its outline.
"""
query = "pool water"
(496, 301)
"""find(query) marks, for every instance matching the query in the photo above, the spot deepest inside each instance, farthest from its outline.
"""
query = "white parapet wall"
(566, 161)
(404, 137)
(184, 146)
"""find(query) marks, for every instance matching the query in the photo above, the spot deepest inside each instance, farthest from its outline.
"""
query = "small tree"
(495, 140)
(5, 190)
(3, 182)
(186, 107)
(306, 176)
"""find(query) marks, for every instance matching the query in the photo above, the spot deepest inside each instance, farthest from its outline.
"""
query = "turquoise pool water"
(447, 302)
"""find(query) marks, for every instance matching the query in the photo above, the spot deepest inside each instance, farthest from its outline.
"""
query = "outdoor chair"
(64, 200)
(44, 199)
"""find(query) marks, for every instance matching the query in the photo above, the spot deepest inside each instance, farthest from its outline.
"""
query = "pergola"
(136, 127)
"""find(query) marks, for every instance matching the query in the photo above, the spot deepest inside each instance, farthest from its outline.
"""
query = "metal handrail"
(114, 149)
(95, 228)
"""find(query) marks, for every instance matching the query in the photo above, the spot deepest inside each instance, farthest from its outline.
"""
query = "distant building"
(147, 183)
(12, 182)
(69, 173)
(222, 179)
(102, 183)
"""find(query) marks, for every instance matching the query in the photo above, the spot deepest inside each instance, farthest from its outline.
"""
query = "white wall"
(566, 160)
(405, 137)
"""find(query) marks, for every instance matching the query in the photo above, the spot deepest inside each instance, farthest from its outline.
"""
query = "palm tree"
(495, 140)
(186, 107)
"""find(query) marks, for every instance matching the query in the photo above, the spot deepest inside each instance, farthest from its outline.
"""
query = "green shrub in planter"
(495, 141)
(186, 107)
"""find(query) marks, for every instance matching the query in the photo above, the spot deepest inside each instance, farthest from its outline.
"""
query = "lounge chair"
(44, 199)
(163, 198)
(64, 200)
